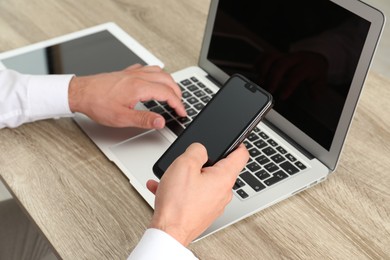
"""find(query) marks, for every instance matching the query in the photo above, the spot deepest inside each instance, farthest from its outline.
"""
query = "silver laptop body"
(137, 155)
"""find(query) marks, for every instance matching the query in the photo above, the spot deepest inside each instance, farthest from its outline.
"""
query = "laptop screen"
(304, 52)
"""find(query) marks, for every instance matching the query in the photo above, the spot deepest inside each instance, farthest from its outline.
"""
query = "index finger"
(163, 93)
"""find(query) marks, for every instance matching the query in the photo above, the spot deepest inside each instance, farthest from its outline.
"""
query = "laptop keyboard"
(269, 162)
(195, 96)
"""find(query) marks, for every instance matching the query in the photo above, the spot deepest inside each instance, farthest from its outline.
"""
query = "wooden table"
(88, 210)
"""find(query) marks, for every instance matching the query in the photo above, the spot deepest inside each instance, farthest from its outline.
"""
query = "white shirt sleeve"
(156, 244)
(27, 98)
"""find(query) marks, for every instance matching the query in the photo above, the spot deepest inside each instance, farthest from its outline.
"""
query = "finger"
(126, 117)
(235, 161)
(133, 67)
(152, 186)
(156, 75)
(154, 91)
(152, 68)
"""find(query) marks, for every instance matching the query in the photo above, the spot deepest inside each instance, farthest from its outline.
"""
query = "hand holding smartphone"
(223, 123)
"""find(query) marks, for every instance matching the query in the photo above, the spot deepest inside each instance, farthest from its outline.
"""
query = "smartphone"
(223, 123)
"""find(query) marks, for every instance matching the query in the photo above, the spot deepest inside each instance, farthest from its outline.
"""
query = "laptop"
(313, 56)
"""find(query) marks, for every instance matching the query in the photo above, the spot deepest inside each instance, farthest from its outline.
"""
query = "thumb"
(152, 186)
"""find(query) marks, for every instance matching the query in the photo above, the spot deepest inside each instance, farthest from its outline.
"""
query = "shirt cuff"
(156, 244)
(48, 96)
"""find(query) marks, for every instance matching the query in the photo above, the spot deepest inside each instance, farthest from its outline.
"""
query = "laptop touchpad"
(137, 155)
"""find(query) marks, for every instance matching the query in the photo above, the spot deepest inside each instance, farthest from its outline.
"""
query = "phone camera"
(250, 87)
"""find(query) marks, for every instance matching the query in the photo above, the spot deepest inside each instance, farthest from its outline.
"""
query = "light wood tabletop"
(88, 210)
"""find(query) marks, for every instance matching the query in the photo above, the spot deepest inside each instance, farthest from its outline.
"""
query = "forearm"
(27, 98)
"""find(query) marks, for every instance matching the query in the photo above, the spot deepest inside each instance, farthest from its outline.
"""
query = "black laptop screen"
(304, 52)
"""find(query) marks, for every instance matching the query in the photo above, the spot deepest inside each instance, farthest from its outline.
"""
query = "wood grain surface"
(88, 210)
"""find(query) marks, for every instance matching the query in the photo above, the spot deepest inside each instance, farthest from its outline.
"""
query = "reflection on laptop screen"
(305, 57)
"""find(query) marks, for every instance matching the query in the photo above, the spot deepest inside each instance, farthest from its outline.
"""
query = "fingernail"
(158, 123)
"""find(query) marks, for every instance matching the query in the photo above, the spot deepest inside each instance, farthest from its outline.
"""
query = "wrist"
(177, 233)
(75, 94)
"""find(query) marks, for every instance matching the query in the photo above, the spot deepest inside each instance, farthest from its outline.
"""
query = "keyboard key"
(208, 91)
(167, 107)
(254, 152)
(256, 130)
(175, 127)
(194, 79)
(253, 167)
(247, 144)
(150, 104)
(289, 168)
(192, 88)
(252, 137)
(300, 165)
(191, 112)
(192, 100)
(263, 135)
(167, 116)
(185, 82)
(199, 106)
(281, 150)
(200, 84)
(262, 175)
(186, 94)
(252, 181)
(260, 144)
(291, 158)
(199, 93)
(272, 142)
(262, 160)
(268, 151)
(271, 167)
(278, 176)
(158, 110)
(238, 184)
(242, 193)
(277, 158)
(205, 99)
(183, 120)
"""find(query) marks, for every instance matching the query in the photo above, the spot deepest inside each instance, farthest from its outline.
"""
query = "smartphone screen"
(223, 123)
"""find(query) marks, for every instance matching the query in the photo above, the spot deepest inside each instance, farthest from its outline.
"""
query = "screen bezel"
(328, 157)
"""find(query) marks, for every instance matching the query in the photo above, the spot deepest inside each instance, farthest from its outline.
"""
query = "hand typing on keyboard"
(195, 96)
(110, 98)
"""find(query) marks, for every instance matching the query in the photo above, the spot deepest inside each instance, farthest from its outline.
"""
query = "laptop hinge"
(288, 139)
(216, 82)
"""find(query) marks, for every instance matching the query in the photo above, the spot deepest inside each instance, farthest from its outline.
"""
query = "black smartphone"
(223, 123)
